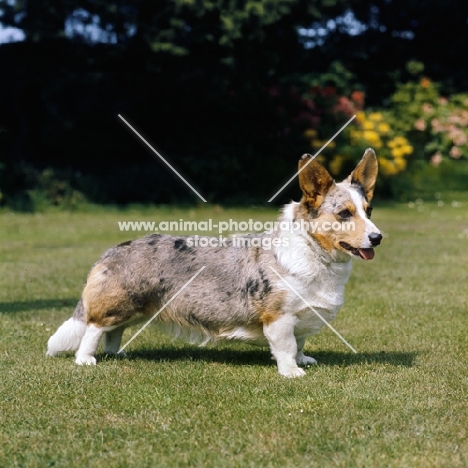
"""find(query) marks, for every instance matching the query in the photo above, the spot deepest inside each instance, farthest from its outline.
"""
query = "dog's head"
(339, 214)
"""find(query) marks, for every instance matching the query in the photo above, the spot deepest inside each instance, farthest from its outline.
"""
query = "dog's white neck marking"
(312, 271)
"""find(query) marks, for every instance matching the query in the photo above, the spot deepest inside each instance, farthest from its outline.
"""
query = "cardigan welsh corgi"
(249, 293)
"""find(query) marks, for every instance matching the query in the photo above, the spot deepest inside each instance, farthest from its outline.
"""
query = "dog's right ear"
(314, 180)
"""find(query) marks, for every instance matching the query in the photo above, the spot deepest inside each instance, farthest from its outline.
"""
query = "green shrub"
(435, 124)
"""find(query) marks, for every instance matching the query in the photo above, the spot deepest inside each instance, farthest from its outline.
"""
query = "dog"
(252, 294)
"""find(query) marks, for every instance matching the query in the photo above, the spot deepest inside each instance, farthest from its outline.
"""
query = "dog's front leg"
(283, 345)
(301, 358)
(112, 340)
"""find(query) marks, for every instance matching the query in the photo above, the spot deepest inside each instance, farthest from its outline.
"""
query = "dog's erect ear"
(314, 181)
(365, 173)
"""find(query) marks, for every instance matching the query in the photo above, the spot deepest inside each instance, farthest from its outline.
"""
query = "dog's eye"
(345, 214)
(369, 211)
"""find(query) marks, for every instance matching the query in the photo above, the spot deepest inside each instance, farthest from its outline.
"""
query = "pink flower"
(436, 125)
(427, 108)
(455, 152)
(436, 159)
(344, 106)
(420, 125)
(464, 117)
(460, 139)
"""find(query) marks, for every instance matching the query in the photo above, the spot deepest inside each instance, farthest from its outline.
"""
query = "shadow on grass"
(394, 358)
(37, 304)
(262, 356)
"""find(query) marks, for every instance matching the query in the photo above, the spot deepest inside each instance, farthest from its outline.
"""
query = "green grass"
(400, 402)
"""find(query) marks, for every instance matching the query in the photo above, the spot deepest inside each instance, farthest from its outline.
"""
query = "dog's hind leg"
(108, 308)
(69, 335)
(112, 340)
(283, 345)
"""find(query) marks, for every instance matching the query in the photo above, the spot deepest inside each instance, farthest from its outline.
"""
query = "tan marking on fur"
(356, 236)
(268, 317)
(324, 241)
(348, 206)
(105, 302)
(315, 182)
(330, 239)
(272, 307)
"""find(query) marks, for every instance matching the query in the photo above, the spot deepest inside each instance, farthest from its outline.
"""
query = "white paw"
(293, 372)
(305, 360)
(85, 360)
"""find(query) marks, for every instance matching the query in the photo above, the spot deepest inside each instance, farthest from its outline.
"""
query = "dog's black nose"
(375, 238)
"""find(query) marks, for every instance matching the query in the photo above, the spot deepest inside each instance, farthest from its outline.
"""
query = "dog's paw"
(303, 360)
(85, 360)
(293, 372)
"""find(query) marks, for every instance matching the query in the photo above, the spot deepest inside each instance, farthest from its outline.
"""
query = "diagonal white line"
(161, 309)
(162, 159)
(313, 157)
(313, 310)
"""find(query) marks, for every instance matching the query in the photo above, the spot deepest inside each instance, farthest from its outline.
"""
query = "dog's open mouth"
(366, 254)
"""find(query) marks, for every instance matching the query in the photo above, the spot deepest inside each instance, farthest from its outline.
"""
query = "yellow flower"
(372, 137)
(397, 152)
(368, 125)
(355, 136)
(384, 127)
(310, 133)
(387, 167)
(400, 141)
(375, 116)
(407, 149)
(361, 117)
(336, 164)
(397, 141)
(400, 164)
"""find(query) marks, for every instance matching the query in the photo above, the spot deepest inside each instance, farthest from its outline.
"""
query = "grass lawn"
(402, 401)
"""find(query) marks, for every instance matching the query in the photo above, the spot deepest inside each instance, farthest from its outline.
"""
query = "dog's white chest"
(324, 290)
(313, 285)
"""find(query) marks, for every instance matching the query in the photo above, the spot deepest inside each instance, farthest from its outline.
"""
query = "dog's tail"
(69, 335)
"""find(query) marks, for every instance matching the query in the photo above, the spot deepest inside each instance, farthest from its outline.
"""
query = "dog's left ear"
(365, 173)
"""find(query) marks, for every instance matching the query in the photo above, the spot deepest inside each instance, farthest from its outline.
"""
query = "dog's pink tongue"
(367, 254)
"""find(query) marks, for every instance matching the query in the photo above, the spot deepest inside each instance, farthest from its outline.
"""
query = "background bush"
(231, 92)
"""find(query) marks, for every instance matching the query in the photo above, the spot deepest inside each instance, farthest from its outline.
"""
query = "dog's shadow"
(262, 356)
